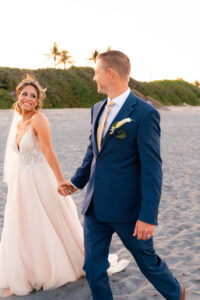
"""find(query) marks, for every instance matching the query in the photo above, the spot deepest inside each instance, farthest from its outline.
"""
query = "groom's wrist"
(73, 184)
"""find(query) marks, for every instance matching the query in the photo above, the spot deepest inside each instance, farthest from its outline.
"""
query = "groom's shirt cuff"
(74, 185)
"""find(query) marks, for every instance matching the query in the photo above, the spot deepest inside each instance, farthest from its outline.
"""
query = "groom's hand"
(143, 231)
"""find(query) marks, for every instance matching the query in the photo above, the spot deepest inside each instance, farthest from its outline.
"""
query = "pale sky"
(161, 37)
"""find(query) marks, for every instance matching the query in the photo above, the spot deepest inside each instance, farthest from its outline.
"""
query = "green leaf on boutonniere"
(121, 135)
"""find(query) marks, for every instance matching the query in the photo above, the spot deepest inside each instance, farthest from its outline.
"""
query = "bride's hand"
(63, 191)
(66, 187)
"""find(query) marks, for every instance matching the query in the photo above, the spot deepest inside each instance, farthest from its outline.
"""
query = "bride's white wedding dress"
(42, 239)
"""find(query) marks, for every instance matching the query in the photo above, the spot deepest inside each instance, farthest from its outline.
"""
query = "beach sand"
(177, 237)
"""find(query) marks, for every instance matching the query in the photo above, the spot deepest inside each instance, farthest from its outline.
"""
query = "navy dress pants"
(97, 238)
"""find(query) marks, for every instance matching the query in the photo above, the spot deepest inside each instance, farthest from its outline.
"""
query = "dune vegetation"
(74, 87)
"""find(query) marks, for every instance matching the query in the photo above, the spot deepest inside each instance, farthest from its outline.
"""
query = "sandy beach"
(177, 237)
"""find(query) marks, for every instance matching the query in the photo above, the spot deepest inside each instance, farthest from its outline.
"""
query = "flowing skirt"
(42, 239)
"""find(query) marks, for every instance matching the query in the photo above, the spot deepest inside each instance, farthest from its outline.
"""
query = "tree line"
(63, 57)
(74, 87)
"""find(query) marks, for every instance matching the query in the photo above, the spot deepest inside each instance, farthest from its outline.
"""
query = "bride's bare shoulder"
(39, 116)
(39, 121)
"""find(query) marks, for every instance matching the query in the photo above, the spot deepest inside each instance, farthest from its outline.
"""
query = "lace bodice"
(29, 153)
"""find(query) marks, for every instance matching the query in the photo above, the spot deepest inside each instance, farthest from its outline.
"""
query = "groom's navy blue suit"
(125, 180)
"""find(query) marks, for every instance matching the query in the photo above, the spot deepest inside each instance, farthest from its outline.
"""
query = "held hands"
(143, 231)
(65, 188)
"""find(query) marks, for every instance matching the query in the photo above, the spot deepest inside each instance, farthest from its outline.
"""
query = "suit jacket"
(125, 177)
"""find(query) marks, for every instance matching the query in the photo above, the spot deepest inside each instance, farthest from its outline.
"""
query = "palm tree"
(54, 53)
(197, 83)
(65, 58)
(94, 55)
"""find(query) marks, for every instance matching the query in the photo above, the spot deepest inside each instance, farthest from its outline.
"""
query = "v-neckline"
(18, 146)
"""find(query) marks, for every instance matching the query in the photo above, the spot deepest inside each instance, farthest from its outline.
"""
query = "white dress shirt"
(119, 101)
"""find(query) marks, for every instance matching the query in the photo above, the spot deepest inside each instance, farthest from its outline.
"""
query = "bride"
(42, 239)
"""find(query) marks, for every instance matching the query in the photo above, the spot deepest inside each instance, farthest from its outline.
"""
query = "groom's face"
(101, 77)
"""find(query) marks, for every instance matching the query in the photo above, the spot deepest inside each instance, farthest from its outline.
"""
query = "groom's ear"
(111, 73)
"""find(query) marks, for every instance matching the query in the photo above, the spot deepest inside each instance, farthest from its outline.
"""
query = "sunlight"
(157, 48)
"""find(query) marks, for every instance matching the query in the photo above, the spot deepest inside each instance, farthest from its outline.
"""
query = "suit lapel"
(96, 116)
(127, 108)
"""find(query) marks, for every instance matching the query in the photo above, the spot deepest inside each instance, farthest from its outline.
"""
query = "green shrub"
(6, 100)
(75, 87)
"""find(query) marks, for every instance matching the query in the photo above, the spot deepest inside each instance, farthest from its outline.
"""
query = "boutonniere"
(116, 131)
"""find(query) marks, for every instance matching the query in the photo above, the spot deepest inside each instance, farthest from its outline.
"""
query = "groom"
(122, 167)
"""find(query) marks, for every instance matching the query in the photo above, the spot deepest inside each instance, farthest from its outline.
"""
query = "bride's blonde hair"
(41, 93)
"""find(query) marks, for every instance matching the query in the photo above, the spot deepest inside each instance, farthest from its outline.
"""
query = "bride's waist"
(32, 160)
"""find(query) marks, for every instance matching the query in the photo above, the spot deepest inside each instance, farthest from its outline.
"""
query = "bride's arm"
(41, 127)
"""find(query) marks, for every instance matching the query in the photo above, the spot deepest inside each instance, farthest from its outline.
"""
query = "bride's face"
(28, 98)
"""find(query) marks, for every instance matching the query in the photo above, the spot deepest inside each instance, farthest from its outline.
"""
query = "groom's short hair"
(118, 61)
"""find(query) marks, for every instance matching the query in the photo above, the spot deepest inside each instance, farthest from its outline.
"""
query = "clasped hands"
(65, 188)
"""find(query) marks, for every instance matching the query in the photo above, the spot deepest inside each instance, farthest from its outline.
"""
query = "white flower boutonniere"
(119, 133)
